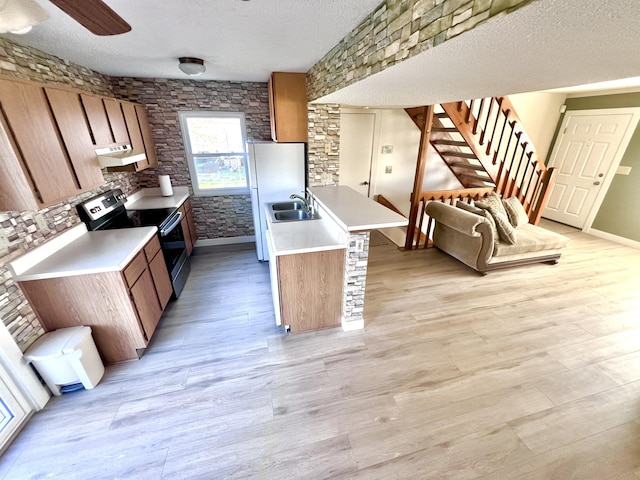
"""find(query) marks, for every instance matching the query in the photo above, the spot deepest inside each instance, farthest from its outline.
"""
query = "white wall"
(540, 113)
(395, 128)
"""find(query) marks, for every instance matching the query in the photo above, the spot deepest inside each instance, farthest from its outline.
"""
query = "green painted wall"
(619, 213)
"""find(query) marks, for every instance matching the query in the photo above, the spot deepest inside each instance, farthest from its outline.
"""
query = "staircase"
(486, 147)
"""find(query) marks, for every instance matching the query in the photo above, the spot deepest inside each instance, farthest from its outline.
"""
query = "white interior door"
(356, 149)
(586, 153)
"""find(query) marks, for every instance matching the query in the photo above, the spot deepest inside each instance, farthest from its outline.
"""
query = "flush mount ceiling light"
(18, 16)
(191, 66)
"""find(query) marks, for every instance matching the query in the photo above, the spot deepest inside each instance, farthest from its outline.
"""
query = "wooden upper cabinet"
(116, 120)
(288, 107)
(97, 118)
(69, 116)
(38, 147)
(135, 135)
(147, 136)
(106, 120)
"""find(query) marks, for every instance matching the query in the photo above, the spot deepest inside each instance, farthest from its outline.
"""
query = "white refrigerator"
(276, 170)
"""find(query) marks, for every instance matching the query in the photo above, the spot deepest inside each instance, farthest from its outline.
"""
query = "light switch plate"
(388, 169)
(359, 245)
(387, 149)
(327, 179)
(327, 148)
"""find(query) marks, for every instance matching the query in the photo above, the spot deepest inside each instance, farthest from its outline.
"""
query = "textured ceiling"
(238, 40)
(547, 44)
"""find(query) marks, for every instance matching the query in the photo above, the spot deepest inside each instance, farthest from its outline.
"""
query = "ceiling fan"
(17, 16)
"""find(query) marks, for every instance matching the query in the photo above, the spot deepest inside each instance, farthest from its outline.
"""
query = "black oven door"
(174, 249)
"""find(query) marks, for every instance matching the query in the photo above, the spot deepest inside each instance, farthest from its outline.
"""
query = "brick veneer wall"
(218, 216)
(324, 130)
(26, 230)
(395, 31)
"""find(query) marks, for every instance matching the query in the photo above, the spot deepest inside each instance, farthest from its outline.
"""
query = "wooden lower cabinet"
(122, 308)
(310, 287)
(188, 226)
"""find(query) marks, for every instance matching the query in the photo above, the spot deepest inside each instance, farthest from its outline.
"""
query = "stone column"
(355, 277)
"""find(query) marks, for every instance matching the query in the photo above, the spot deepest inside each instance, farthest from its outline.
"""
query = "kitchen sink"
(291, 215)
(286, 206)
(290, 211)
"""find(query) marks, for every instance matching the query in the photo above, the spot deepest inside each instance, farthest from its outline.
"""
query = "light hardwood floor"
(528, 373)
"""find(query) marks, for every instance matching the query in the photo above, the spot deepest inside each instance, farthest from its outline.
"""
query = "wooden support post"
(546, 180)
(425, 135)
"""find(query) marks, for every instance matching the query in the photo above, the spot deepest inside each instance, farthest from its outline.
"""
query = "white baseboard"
(614, 238)
(352, 325)
(210, 242)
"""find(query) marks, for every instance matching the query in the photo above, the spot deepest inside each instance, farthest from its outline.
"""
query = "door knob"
(365, 183)
(601, 175)
(596, 183)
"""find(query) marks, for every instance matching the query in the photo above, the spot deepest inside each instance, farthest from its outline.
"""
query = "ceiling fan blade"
(94, 15)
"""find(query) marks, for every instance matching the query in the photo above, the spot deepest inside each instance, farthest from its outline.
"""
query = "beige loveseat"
(469, 237)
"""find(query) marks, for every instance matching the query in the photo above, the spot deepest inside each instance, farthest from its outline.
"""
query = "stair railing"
(420, 237)
(494, 132)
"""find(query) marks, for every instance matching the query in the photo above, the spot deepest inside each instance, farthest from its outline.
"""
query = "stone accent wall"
(26, 230)
(31, 64)
(395, 31)
(355, 276)
(324, 143)
(215, 216)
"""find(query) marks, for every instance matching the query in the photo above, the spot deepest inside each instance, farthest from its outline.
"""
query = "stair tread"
(444, 129)
(459, 154)
(467, 166)
(453, 143)
(475, 177)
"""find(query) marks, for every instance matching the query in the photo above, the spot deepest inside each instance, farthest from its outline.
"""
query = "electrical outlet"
(41, 222)
(359, 245)
(327, 179)
(327, 148)
(4, 243)
(388, 169)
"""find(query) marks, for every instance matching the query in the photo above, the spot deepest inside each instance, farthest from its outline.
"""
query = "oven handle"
(169, 228)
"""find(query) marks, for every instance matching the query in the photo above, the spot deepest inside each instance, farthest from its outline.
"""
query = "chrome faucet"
(302, 199)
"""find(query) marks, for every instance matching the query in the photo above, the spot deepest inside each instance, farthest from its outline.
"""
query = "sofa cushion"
(493, 204)
(532, 239)
(515, 212)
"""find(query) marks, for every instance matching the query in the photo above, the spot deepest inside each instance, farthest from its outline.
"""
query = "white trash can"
(66, 358)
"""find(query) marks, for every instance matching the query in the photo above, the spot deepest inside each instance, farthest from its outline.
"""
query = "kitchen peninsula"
(322, 263)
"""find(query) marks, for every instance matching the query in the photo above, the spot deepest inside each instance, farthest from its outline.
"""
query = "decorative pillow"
(491, 201)
(493, 204)
(483, 213)
(515, 212)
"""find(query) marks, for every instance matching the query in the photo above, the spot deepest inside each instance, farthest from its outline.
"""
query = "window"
(216, 152)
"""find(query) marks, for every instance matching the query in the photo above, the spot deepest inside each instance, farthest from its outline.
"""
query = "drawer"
(151, 248)
(133, 271)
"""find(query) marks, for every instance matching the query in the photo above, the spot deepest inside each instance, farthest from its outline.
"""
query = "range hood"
(118, 156)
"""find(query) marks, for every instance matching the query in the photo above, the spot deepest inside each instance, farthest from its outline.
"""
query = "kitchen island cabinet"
(310, 289)
(115, 281)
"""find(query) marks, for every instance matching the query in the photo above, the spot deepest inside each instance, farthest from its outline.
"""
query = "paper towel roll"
(165, 185)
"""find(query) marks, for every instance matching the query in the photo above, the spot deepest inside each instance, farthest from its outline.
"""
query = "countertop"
(79, 252)
(148, 198)
(306, 236)
(355, 212)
